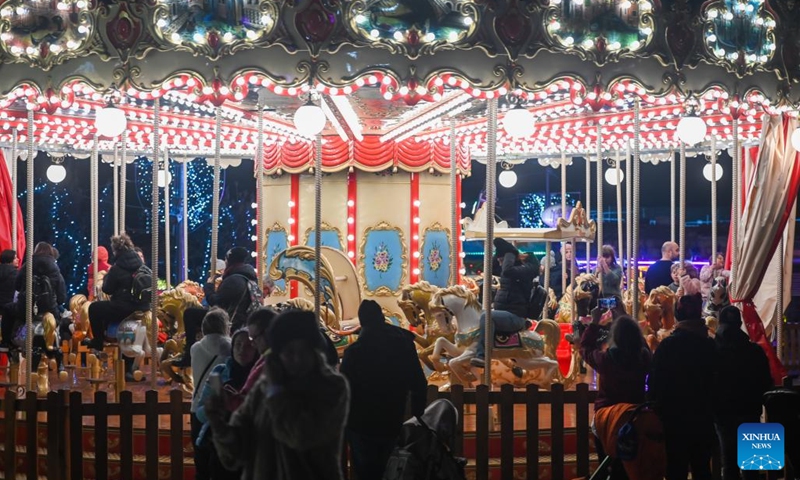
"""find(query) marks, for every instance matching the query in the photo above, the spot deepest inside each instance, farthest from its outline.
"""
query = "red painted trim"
(352, 209)
(458, 259)
(414, 219)
(294, 228)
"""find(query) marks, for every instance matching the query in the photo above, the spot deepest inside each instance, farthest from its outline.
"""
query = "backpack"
(44, 295)
(627, 438)
(537, 301)
(404, 465)
(248, 303)
(142, 286)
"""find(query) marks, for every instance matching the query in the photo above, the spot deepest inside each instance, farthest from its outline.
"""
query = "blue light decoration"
(740, 31)
(601, 25)
(532, 208)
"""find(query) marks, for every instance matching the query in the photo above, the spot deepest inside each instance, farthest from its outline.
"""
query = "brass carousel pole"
(95, 204)
(14, 170)
(599, 175)
(29, 253)
(632, 280)
(736, 202)
(167, 231)
(588, 211)
(185, 216)
(637, 131)
(123, 181)
(261, 258)
(215, 195)
(620, 212)
(564, 216)
(682, 205)
(115, 170)
(491, 167)
(454, 207)
(672, 196)
(317, 224)
(713, 198)
(154, 221)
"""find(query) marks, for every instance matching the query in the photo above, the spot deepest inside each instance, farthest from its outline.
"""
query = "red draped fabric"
(7, 202)
(768, 199)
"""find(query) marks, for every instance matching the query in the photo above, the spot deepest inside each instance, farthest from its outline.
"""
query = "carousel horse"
(627, 300)
(171, 306)
(80, 327)
(586, 295)
(415, 303)
(718, 299)
(46, 340)
(532, 351)
(659, 311)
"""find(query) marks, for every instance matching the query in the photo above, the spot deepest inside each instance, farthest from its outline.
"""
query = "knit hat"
(690, 307)
(370, 313)
(294, 325)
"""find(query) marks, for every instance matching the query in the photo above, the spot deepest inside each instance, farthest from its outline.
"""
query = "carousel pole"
(599, 174)
(637, 131)
(95, 205)
(713, 198)
(154, 243)
(672, 197)
(620, 212)
(115, 170)
(167, 230)
(547, 247)
(123, 180)
(261, 258)
(215, 199)
(588, 211)
(682, 205)
(317, 223)
(564, 216)
(454, 207)
(736, 203)
(29, 253)
(185, 216)
(491, 167)
(14, 239)
(629, 223)
(779, 299)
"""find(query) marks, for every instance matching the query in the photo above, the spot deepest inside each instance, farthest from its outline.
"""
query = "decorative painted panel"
(277, 242)
(331, 237)
(413, 26)
(601, 29)
(46, 32)
(740, 32)
(382, 260)
(435, 256)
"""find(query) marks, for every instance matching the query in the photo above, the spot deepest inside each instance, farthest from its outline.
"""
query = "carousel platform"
(112, 441)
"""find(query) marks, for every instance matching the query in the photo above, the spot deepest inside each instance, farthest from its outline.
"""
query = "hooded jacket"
(102, 266)
(8, 279)
(212, 350)
(516, 282)
(45, 265)
(743, 376)
(233, 292)
(119, 279)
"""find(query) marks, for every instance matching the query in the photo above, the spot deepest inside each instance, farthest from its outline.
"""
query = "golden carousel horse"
(415, 303)
(627, 300)
(534, 352)
(583, 294)
(659, 312)
(171, 306)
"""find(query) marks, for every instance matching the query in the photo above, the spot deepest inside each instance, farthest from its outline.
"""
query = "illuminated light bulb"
(707, 170)
(588, 43)
(625, 4)
(462, 255)
(165, 178)
(614, 46)
(350, 203)
(309, 119)
(351, 238)
(83, 30)
(251, 35)
(645, 6)
(56, 173)
(646, 31)
(711, 38)
(198, 37)
(374, 33)
(416, 254)
(452, 36)
(429, 37)
(350, 220)
(228, 36)
(291, 204)
(691, 129)
(554, 26)
(254, 205)
(81, 4)
(463, 205)
(728, 16)
(416, 220)
(796, 139)
(519, 123)
(611, 176)
(361, 19)
(507, 178)
(175, 37)
(265, 19)
(416, 271)
(291, 220)
(398, 35)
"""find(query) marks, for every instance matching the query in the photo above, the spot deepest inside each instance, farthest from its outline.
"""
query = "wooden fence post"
(151, 433)
(10, 426)
(482, 432)
(101, 435)
(55, 405)
(582, 429)
(457, 397)
(176, 441)
(507, 432)
(31, 456)
(532, 431)
(557, 431)
(126, 434)
(76, 435)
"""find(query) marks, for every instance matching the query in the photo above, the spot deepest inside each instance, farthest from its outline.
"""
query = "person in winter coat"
(117, 283)
(511, 300)
(609, 272)
(230, 292)
(212, 350)
(709, 273)
(8, 277)
(291, 424)
(102, 266)
(382, 368)
(233, 373)
(681, 384)
(622, 368)
(743, 376)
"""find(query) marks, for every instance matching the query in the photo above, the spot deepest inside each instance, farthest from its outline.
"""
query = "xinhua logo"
(760, 446)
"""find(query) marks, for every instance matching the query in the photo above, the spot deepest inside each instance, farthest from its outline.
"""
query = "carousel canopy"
(395, 79)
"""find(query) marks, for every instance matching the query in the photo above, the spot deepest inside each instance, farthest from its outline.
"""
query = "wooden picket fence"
(791, 350)
(61, 419)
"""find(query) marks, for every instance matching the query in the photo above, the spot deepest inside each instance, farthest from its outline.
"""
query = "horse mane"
(421, 286)
(470, 300)
(579, 293)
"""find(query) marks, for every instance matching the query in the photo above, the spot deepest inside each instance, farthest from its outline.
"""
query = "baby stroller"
(424, 448)
(783, 406)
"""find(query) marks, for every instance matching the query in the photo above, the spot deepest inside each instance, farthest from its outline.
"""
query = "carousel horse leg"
(118, 367)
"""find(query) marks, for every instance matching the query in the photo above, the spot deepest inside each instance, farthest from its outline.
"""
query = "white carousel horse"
(718, 299)
(526, 349)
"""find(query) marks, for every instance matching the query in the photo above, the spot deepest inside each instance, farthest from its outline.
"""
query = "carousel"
(364, 117)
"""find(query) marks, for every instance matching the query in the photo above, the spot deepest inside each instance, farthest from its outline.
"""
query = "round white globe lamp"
(507, 178)
(707, 171)
(110, 121)
(518, 122)
(309, 119)
(796, 139)
(611, 176)
(56, 173)
(691, 129)
(164, 178)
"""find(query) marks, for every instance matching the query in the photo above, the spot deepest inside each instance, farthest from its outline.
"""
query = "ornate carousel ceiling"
(391, 74)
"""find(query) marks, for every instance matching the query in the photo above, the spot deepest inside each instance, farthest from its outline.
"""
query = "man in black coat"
(383, 369)
(743, 377)
(118, 283)
(232, 295)
(512, 298)
(681, 384)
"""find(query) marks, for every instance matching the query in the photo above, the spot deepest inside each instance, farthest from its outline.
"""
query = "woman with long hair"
(610, 272)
